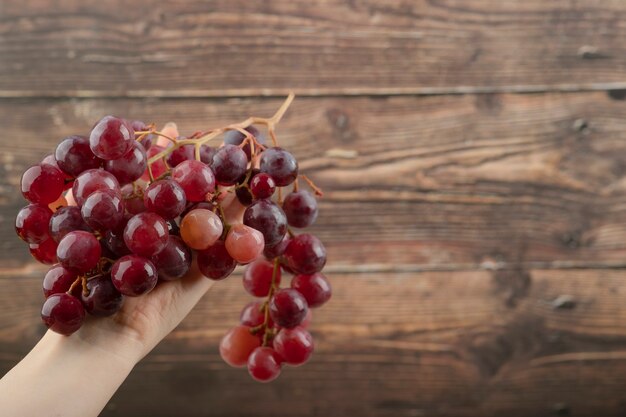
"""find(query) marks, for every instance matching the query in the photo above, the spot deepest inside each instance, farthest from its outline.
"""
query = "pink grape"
(237, 345)
(244, 243)
(201, 228)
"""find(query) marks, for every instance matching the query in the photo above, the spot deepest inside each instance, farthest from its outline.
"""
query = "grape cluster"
(127, 207)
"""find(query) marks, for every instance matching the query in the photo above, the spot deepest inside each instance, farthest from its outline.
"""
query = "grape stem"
(268, 333)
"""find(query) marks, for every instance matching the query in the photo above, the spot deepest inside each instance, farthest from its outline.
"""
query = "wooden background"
(477, 240)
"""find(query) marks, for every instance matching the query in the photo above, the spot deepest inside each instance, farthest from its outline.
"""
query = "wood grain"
(462, 343)
(440, 182)
(241, 48)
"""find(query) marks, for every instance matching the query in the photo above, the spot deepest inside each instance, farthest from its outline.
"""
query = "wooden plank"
(239, 48)
(450, 182)
(465, 343)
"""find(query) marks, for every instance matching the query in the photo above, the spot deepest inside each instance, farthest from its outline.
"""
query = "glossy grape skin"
(206, 154)
(133, 275)
(31, 223)
(174, 261)
(264, 364)
(305, 254)
(229, 164)
(237, 345)
(146, 234)
(79, 251)
(215, 262)
(268, 218)
(44, 252)
(130, 166)
(165, 198)
(300, 207)
(201, 228)
(287, 308)
(280, 165)
(257, 278)
(103, 210)
(195, 178)
(244, 243)
(184, 153)
(262, 186)
(58, 279)
(65, 220)
(42, 184)
(111, 138)
(63, 313)
(102, 299)
(271, 252)
(294, 346)
(74, 156)
(234, 137)
(252, 315)
(158, 167)
(91, 181)
(315, 288)
(133, 201)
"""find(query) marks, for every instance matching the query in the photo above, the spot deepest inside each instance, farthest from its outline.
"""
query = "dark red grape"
(215, 262)
(294, 346)
(65, 220)
(234, 137)
(58, 279)
(229, 164)
(257, 278)
(114, 242)
(195, 178)
(305, 254)
(130, 166)
(206, 154)
(31, 223)
(74, 156)
(42, 184)
(165, 198)
(146, 234)
(253, 315)
(243, 195)
(44, 252)
(103, 210)
(288, 308)
(172, 227)
(91, 181)
(268, 218)
(63, 313)
(79, 251)
(262, 186)
(102, 299)
(133, 200)
(280, 165)
(133, 275)
(315, 288)
(264, 364)
(300, 208)
(271, 252)
(174, 261)
(111, 138)
(184, 153)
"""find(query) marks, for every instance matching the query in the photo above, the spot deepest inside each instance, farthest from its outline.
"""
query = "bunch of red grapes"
(127, 207)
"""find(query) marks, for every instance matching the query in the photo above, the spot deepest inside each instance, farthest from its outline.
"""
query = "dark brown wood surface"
(476, 232)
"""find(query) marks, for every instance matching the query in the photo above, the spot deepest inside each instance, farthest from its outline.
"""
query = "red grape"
(244, 243)
(280, 165)
(133, 275)
(58, 279)
(305, 254)
(79, 251)
(196, 179)
(74, 156)
(91, 181)
(237, 345)
(174, 260)
(42, 184)
(315, 288)
(268, 218)
(215, 262)
(102, 299)
(257, 278)
(103, 210)
(262, 186)
(111, 138)
(165, 198)
(63, 313)
(31, 223)
(288, 308)
(264, 364)
(252, 315)
(184, 153)
(206, 154)
(130, 166)
(146, 234)
(271, 252)
(133, 201)
(44, 252)
(65, 220)
(229, 164)
(234, 137)
(294, 346)
(300, 208)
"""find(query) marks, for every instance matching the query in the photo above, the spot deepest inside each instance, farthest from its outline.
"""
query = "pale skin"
(103, 350)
